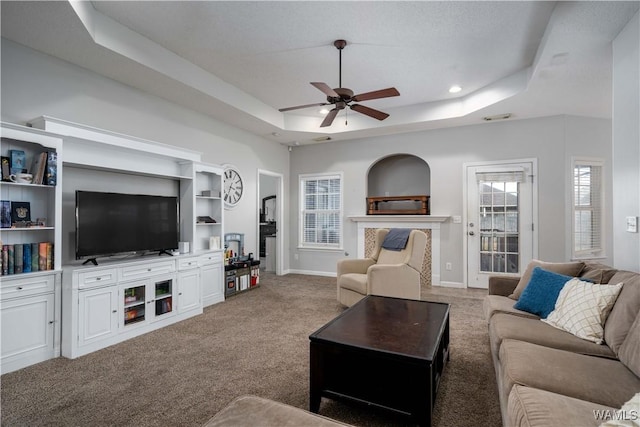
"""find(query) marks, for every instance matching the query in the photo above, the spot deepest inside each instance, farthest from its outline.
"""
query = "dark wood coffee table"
(386, 352)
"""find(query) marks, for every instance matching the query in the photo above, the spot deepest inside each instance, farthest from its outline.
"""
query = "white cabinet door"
(98, 312)
(27, 331)
(188, 290)
(211, 279)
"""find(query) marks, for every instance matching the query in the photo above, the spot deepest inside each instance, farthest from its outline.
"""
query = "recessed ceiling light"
(455, 89)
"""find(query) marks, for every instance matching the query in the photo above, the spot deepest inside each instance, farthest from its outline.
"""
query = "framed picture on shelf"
(18, 161)
(5, 213)
(20, 212)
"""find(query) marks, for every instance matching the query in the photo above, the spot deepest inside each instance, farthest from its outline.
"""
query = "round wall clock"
(233, 186)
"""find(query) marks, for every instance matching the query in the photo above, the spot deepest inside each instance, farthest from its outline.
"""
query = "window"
(321, 211)
(587, 208)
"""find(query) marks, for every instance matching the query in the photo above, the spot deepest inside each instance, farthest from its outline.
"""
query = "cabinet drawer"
(211, 258)
(92, 279)
(187, 263)
(151, 269)
(25, 286)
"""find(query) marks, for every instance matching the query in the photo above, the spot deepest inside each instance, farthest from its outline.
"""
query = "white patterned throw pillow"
(582, 308)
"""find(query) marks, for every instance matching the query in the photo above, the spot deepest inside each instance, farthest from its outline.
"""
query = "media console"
(117, 301)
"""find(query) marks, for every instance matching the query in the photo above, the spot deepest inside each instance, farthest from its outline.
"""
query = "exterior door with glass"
(500, 225)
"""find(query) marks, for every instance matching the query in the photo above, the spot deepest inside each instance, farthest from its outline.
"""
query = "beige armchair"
(386, 273)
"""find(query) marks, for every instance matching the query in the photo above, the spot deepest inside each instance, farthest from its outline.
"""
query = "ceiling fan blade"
(329, 118)
(376, 114)
(325, 89)
(318, 104)
(376, 94)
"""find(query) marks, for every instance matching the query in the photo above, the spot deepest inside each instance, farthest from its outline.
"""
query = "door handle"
(471, 233)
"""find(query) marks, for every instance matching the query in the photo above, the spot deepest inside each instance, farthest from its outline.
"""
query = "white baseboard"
(311, 273)
(451, 285)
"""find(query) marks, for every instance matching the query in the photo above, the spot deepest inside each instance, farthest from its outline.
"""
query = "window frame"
(302, 179)
(592, 252)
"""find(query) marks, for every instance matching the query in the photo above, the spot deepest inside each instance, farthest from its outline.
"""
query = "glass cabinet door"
(134, 304)
(164, 297)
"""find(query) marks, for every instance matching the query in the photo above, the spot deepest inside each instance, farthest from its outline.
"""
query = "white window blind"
(321, 211)
(505, 176)
(587, 208)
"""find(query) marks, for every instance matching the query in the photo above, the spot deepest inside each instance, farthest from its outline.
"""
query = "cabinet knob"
(19, 288)
(148, 269)
(51, 322)
(98, 278)
(114, 311)
(149, 302)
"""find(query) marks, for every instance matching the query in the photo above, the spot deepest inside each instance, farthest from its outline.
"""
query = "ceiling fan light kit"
(342, 97)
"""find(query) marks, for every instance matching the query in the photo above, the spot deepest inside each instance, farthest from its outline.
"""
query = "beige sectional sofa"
(549, 377)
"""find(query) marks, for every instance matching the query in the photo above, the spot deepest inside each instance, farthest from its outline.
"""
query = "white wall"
(34, 84)
(552, 140)
(626, 143)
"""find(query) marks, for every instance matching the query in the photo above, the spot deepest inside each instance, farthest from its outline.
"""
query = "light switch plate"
(632, 224)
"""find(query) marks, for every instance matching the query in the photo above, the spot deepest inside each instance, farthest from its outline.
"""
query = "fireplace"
(430, 224)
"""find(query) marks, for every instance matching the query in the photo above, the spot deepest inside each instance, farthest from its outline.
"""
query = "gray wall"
(34, 84)
(552, 140)
(626, 143)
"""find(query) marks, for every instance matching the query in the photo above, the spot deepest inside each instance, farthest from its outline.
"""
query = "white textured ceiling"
(242, 61)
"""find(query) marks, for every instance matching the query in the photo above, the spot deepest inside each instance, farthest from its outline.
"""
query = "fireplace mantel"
(399, 218)
(431, 222)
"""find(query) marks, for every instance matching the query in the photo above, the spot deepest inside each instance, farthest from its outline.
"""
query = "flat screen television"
(114, 223)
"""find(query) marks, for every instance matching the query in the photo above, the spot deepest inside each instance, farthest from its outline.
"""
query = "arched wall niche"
(399, 175)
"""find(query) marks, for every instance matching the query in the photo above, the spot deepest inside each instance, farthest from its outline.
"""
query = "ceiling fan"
(341, 97)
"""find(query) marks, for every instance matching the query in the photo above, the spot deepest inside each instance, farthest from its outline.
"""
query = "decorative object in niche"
(373, 205)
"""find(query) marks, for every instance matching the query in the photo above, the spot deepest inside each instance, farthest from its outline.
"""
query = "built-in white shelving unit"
(78, 309)
(30, 304)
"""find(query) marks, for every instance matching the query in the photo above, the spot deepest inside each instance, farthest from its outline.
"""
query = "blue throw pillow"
(541, 293)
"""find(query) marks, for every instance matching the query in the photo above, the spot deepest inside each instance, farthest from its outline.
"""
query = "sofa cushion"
(566, 268)
(597, 273)
(625, 311)
(531, 407)
(595, 379)
(540, 295)
(256, 411)
(630, 349)
(493, 304)
(583, 308)
(504, 326)
(354, 281)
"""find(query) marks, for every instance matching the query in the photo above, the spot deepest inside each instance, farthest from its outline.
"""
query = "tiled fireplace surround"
(430, 224)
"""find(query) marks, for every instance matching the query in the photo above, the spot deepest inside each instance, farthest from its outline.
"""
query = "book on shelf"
(35, 259)
(18, 260)
(38, 167)
(5, 260)
(5, 213)
(10, 266)
(52, 168)
(17, 160)
(25, 258)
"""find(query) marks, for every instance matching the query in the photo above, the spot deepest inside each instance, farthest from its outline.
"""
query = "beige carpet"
(253, 343)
